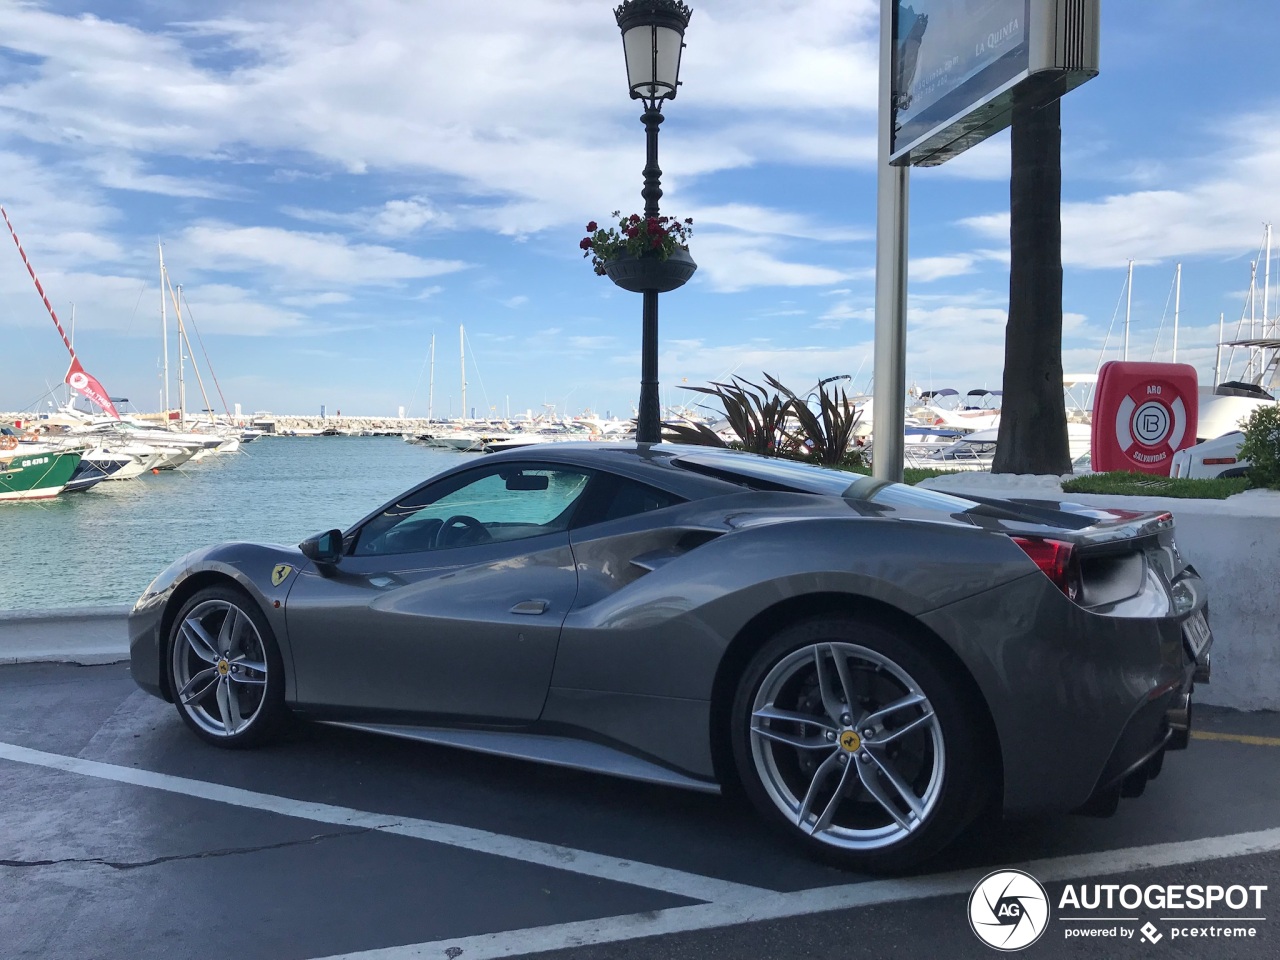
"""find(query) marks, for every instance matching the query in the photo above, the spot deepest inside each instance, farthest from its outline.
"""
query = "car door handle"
(531, 607)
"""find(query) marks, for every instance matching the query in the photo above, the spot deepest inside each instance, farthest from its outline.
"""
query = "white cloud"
(324, 259)
(773, 222)
(927, 269)
(592, 343)
(394, 219)
(317, 299)
(121, 172)
(1214, 213)
(731, 263)
(435, 91)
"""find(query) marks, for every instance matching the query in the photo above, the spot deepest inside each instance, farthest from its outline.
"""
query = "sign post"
(949, 71)
(889, 390)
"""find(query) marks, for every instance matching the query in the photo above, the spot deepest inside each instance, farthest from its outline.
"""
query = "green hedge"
(1149, 485)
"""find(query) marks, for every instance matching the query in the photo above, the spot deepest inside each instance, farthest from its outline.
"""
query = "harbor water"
(103, 546)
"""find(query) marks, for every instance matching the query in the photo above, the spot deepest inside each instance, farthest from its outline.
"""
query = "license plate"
(1195, 630)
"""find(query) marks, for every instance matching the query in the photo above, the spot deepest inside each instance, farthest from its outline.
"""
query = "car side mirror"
(323, 547)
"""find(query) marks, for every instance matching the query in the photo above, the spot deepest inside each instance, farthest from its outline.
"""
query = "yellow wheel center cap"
(850, 741)
(224, 668)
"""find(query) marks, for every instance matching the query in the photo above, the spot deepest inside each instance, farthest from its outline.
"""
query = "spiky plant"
(757, 417)
(828, 432)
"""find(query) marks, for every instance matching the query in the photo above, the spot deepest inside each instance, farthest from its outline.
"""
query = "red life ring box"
(1143, 413)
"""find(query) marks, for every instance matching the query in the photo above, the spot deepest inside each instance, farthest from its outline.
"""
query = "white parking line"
(776, 906)
(677, 882)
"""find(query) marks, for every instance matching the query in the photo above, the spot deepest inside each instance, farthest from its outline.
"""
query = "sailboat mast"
(183, 338)
(1217, 362)
(462, 352)
(182, 366)
(1128, 308)
(73, 346)
(1266, 283)
(1253, 316)
(164, 336)
(1177, 302)
(431, 382)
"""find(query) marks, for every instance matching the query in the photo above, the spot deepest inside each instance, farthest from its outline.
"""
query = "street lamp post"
(652, 39)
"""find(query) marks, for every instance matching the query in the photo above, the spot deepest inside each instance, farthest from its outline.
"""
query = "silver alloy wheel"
(219, 668)
(847, 745)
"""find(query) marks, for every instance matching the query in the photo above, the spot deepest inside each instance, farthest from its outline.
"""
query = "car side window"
(507, 502)
(613, 498)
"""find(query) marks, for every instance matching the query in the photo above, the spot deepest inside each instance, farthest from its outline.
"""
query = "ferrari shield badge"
(280, 574)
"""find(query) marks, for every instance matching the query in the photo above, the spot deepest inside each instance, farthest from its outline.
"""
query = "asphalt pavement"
(123, 836)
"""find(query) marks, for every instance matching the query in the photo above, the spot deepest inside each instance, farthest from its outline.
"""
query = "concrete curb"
(83, 635)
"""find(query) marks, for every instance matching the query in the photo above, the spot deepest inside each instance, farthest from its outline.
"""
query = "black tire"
(829, 782)
(252, 710)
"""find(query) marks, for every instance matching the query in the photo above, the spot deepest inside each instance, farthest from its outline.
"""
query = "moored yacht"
(33, 471)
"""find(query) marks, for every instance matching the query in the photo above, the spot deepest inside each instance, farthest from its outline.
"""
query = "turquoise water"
(103, 546)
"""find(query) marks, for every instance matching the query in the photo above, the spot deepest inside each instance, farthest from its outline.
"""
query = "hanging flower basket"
(641, 253)
(649, 272)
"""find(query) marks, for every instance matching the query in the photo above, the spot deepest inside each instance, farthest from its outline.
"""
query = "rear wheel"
(848, 736)
(225, 669)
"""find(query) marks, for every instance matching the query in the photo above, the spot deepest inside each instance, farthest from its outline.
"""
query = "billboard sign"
(957, 63)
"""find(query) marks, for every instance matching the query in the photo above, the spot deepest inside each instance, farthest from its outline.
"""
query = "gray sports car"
(873, 664)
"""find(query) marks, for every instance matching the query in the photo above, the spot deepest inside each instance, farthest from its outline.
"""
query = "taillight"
(1053, 557)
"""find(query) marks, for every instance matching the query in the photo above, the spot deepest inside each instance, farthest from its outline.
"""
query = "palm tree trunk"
(1033, 424)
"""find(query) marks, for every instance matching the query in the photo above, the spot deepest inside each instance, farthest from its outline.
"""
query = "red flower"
(688, 220)
(653, 226)
(633, 231)
(635, 218)
(592, 227)
(655, 243)
(585, 244)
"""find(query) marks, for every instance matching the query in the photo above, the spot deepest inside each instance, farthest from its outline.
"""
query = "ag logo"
(1008, 910)
(850, 741)
(280, 574)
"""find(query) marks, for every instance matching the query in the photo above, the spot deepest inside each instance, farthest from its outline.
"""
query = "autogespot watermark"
(1010, 910)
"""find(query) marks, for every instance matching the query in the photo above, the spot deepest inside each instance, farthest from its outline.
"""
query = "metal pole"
(431, 382)
(164, 336)
(649, 415)
(462, 360)
(1266, 285)
(1128, 307)
(1217, 360)
(889, 407)
(1177, 302)
(1253, 316)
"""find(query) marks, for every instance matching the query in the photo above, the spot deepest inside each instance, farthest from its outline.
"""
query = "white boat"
(977, 450)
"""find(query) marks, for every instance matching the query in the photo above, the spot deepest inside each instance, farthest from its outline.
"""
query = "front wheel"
(849, 737)
(225, 669)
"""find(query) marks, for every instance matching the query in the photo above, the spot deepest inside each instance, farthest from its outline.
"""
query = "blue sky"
(334, 182)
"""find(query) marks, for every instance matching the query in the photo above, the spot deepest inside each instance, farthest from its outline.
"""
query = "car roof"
(648, 463)
(691, 470)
